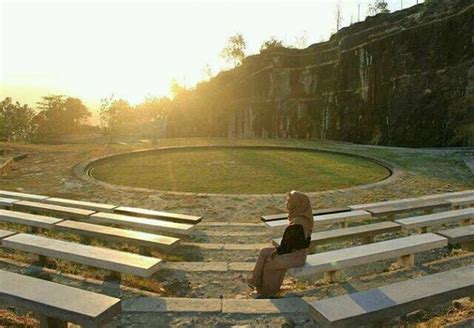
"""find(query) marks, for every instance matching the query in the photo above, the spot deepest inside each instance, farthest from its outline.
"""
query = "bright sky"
(134, 48)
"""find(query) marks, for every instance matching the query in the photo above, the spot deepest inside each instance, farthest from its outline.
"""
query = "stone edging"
(82, 170)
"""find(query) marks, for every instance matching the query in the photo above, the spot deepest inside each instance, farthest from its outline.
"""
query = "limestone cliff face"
(404, 79)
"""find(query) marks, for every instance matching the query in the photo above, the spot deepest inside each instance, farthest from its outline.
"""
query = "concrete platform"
(422, 205)
(7, 202)
(284, 216)
(328, 219)
(22, 196)
(4, 234)
(31, 220)
(152, 214)
(52, 210)
(97, 207)
(423, 221)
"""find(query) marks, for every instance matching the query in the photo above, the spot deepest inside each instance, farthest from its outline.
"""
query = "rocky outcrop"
(404, 79)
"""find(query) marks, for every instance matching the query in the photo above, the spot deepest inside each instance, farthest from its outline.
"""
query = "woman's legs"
(257, 274)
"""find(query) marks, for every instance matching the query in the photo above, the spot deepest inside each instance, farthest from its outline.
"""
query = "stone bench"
(447, 195)
(152, 214)
(327, 219)
(284, 216)
(330, 263)
(145, 224)
(103, 258)
(427, 206)
(423, 222)
(5, 233)
(146, 241)
(22, 196)
(52, 210)
(57, 304)
(462, 202)
(7, 202)
(377, 306)
(97, 207)
(461, 235)
(367, 232)
(31, 220)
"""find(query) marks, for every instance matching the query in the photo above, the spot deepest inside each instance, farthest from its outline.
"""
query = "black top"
(293, 240)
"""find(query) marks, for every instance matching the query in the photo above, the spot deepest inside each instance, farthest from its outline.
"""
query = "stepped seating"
(97, 207)
(456, 194)
(379, 305)
(458, 203)
(53, 210)
(423, 222)
(284, 216)
(327, 219)
(31, 220)
(460, 235)
(390, 211)
(57, 304)
(365, 232)
(5, 234)
(152, 214)
(107, 259)
(153, 225)
(7, 202)
(330, 263)
(22, 196)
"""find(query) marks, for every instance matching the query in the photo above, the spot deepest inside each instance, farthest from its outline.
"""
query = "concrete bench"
(330, 263)
(422, 222)
(97, 207)
(455, 194)
(57, 304)
(146, 241)
(462, 202)
(5, 233)
(22, 196)
(377, 306)
(152, 214)
(7, 202)
(460, 235)
(327, 219)
(427, 206)
(367, 232)
(52, 210)
(31, 220)
(141, 223)
(108, 259)
(284, 216)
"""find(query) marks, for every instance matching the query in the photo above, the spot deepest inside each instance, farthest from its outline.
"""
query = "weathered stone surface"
(241, 266)
(270, 306)
(141, 223)
(358, 255)
(31, 220)
(464, 201)
(57, 301)
(5, 234)
(172, 305)
(384, 203)
(327, 219)
(197, 266)
(458, 235)
(22, 196)
(104, 258)
(393, 300)
(283, 216)
(361, 231)
(408, 207)
(55, 210)
(178, 218)
(115, 234)
(7, 202)
(436, 219)
(455, 194)
(81, 204)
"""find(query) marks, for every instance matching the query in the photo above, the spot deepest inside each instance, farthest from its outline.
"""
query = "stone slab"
(197, 266)
(58, 301)
(116, 234)
(172, 305)
(284, 216)
(152, 214)
(458, 235)
(5, 234)
(463, 201)
(22, 196)
(31, 220)
(97, 207)
(153, 225)
(327, 219)
(366, 230)
(436, 219)
(264, 306)
(393, 300)
(384, 203)
(447, 195)
(7, 202)
(241, 266)
(358, 255)
(104, 258)
(407, 207)
(53, 210)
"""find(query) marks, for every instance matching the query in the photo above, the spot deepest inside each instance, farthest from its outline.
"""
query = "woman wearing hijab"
(272, 263)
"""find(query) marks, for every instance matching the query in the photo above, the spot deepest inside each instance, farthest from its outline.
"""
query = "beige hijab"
(299, 211)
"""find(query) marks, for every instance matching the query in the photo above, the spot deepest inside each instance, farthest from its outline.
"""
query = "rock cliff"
(403, 79)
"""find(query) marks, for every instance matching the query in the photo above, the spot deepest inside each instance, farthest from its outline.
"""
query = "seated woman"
(272, 263)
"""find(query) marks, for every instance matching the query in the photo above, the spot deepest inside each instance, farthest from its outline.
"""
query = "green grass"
(242, 171)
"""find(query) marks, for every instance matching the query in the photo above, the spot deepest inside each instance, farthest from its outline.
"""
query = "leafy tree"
(15, 120)
(379, 6)
(272, 43)
(234, 52)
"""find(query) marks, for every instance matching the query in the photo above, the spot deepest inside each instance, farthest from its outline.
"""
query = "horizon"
(95, 55)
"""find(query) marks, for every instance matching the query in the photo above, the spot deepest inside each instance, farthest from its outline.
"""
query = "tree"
(234, 52)
(302, 40)
(272, 43)
(338, 15)
(15, 120)
(379, 6)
